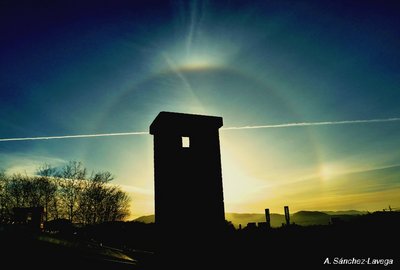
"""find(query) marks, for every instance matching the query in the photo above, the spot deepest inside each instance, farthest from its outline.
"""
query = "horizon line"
(286, 125)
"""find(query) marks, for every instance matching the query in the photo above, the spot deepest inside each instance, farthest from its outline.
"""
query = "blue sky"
(85, 68)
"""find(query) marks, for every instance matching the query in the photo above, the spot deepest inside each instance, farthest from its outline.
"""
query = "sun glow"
(193, 62)
(325, 172)
(205, 54)
(197, 62)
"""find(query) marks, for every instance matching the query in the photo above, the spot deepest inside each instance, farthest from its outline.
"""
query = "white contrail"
(305, 124)
(302, 124)
(74, 136)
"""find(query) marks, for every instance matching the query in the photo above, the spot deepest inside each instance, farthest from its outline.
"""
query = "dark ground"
(373, 236)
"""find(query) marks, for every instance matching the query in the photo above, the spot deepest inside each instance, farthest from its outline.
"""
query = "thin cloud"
(135, 189)
(287, 125)
(26, 163)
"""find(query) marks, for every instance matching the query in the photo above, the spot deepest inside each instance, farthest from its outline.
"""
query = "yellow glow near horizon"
(326, 171)
(251, 186)
(244, 193)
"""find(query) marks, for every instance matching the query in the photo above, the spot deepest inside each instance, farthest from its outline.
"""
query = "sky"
(81, 67)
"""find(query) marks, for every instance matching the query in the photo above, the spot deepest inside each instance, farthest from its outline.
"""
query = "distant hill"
(145, 219)
(304, 218)
(243, 219)
(310, 218)
(346, 212)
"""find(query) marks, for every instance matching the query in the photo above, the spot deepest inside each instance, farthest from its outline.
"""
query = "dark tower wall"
(188, 180)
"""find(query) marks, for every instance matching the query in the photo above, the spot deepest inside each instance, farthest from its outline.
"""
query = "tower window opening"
(185, 142)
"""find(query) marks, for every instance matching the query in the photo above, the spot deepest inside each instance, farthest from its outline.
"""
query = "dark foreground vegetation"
(133, 245)
(64, 193)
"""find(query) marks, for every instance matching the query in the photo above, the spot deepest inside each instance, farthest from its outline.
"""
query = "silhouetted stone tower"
(287, 215)
(267, 218)
(187, 171)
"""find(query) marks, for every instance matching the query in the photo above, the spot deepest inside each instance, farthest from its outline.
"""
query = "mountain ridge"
(302, 217)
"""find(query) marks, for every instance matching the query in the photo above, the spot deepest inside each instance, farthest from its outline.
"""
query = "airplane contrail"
(74, 136)
(287, 125)
(305, 124)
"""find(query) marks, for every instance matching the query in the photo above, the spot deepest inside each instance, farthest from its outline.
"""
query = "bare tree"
(47, 192)
(15, 189)
(71, 185)
(23, 191)
(4, 197)
(65, 193)
(99, 192)
(117, 205)
(101, 201)
(46, 170)
(48, 188)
